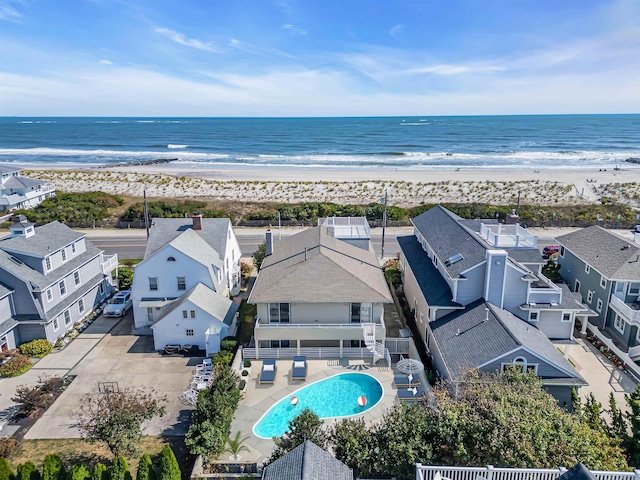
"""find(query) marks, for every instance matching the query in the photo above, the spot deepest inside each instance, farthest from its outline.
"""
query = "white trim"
(56, 324)
(537, 312)
(64, 284)
(599, 305)
(603, 279)
(587, 268)
(49, 295)
(615, 323)
(590, 296)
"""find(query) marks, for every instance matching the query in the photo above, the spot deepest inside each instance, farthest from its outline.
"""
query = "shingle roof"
(47, 239)
(609, 254)
(570, 301)
(163, 230)
(467, 341)
(525, 255)
(314, 267)
(307, 462)
(4, 291)
(216, 305)
(5, 168)
(194, 246)
(7, 325)
(22, 182)
(433, 286)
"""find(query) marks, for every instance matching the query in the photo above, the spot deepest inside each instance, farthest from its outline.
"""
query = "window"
(81, 305)
(48, 262)
(599, 306)
(358, 344)
(360, 313)
(561, 252)
(64, 255)
(189, 332)
(153, 283)
(56, 324)
(73, 248)
(534, 316)
(603, 281)
(634, 289)
(76, 278)
(184, 314)
(590, 296)
(619, 323)
(149, 314)
(63, 288)
(279, 313)
(587, 268)
(280, 343)
(49, 295)
(566, 317)
(193, 314)
(577, 289)
(182, 283)
(171, 259)
(67, 318)
(521, 365)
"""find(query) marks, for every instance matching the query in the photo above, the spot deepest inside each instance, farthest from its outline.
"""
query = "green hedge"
(223, 358)
(36, 348)
(228, 344)
(73, 208)
(16, 366)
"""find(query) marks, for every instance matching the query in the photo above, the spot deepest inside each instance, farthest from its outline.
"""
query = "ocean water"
(536, 141)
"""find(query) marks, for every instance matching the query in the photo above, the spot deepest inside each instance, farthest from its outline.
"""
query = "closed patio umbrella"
(409, 365)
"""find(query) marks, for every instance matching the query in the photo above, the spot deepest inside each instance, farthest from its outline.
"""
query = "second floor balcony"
(109, 263)
(507, 236)
(320, 329)
(631, 311)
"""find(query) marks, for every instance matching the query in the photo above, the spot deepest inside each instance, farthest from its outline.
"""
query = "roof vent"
(458, 333)
(15, 260)
(625, 247)
(486, 314)
(453, 259)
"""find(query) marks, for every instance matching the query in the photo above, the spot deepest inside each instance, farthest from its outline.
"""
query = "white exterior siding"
(550, 322)
(515, 292)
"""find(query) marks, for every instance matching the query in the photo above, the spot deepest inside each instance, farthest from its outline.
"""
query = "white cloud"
(8, 12)
(105, 62)
(187, 42)
(293, 30)
(396, 31)
(448, 69)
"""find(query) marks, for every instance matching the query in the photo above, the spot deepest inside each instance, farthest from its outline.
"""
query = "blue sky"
(318, 57)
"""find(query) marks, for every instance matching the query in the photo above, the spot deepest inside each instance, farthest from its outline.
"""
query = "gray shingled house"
(307, 462)
(315, 290)
(490, 339)
(8, 324)
(17, 191)
(57, 278)
(605, 270)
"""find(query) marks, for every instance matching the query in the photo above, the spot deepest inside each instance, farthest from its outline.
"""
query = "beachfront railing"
(310, 352)
(429, 472)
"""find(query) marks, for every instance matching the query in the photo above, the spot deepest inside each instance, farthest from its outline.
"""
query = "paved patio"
(259, 398)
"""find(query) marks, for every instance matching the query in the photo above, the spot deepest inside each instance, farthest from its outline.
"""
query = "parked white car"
(118, 305)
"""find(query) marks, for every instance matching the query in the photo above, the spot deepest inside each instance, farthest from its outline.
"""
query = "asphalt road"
(132, 244)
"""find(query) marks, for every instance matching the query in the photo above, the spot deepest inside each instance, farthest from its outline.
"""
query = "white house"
(17, 191)
(190, 268)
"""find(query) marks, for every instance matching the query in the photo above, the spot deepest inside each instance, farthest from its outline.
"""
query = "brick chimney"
(197, 221)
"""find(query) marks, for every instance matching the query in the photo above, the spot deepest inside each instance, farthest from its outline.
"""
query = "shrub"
(246, 363)
(38, 396)
(36, 348)
(229, 344)
(125, 278)
(169, 468)
(145, 469)
(79, 472)
(28, 471)
(5, 470)
(120, 469)
(53, 468)
(245, 373)
(16, 366)
(242, 384)
(8, 446)
(223, 358)
(100, 472)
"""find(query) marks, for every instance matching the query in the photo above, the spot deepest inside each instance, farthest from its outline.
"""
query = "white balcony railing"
(261, 323)
(513, 236)
(109, 264)
(428, 472)
(625, 309)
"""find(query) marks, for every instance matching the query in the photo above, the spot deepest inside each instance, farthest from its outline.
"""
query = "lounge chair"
(268, 373)
(299, 368)
(403, 380)
(411, 393)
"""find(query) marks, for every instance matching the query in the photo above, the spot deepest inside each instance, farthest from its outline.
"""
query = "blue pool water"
(336, 396)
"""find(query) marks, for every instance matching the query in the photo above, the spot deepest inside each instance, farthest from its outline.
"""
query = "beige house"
(317, 291)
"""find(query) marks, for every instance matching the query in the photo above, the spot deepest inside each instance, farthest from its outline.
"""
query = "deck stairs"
(377, 348)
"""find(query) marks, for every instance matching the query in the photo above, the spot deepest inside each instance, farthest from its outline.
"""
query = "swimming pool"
(332, 397)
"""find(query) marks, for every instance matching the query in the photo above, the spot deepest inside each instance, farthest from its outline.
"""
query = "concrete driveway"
(108, 352)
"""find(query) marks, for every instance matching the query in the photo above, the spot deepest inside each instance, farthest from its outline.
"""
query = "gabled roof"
(164, 230)
(6, 168)
(434, 288)
(570, 301)
(215, 304)
(314, 267)
(22, 182)
(307, 462)
(483, 333)
(611, 255)
(47, 239)
(194, 246)
(7, 325)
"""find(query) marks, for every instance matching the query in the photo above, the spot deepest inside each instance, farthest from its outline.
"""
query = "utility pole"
(145, 212)
(384, 220)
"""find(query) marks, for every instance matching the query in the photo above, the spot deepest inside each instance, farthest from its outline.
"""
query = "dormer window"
(73, 248)
(171, 259)
(47, 261)
(64, 255)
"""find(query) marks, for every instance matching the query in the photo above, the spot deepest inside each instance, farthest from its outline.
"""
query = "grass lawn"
(76, 450)
(246, 320)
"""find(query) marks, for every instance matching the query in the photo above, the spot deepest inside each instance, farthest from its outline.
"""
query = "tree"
(169, 468)
(53, 468)
(5, 470)
(28, 471)
(259, 254)
(36, 397)
(235, 445)
(633, 442)
(592, 414)
(576, 401)
(120, 469)
(80, 472)
(116, 418)
(618, 422)
(354, 445)
(125, 278)
(145, 468)
(100, 472)
(305, 426)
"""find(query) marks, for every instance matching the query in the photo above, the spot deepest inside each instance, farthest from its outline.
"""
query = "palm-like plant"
(236, 445)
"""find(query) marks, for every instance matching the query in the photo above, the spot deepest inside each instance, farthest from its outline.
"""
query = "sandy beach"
(357, 186)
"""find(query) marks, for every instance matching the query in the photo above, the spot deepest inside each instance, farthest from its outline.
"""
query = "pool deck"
(260, 397)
